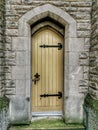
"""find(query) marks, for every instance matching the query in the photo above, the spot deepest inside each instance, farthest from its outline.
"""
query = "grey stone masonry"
(91, 113)
(79, 9)
(80, 21)
(4, 113)
(2, 45)
(74, 15)
(91, 101)
(93, 74)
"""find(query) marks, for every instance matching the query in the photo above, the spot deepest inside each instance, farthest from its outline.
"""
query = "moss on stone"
(22, 122)
(49, 124)
(4, 102)
(91, 103)
(97, 68)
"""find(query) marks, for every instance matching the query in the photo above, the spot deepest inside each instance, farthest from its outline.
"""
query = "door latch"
(36, 78)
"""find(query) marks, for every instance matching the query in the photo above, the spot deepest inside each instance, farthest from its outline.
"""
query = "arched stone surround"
(50, 24)
(72, 105)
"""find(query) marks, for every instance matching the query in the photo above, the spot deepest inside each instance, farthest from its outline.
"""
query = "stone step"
(47, 128)
(48, 124)
(54, 129)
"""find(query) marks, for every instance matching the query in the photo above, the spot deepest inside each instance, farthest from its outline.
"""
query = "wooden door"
(47, 62)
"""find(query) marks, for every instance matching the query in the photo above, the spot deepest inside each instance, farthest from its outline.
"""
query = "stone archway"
(70, 113)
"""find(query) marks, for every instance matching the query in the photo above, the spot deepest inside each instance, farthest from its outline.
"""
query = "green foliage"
(96, 68)
(91, 103)
(4, 102)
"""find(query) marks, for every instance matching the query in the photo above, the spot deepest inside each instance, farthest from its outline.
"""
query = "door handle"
(36, 78)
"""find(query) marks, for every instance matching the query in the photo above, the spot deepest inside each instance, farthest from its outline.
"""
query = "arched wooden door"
(47, 71)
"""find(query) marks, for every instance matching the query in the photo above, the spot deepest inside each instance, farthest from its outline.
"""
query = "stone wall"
(93, 89)
(79, 10)
(91, 113)
(16, 56)
(4, 103)
(4, 110)
(2, 44)
(91, 101)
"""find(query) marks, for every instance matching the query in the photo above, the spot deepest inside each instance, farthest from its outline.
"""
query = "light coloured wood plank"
(34, 45)
(54, 71)
(48, 63)
(60, 72)
(43, 66)
(50, 58)
(39, 68)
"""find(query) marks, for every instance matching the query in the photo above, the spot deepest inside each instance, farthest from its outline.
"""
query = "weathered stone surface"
(2, 44)
(20, 43)
(94, 51)
(20, 106)
(91, 101)
(91, 113)
(75, 44)
(83, 86)
(4, 113)
(15, 59)
(84, 59)
(81, 4)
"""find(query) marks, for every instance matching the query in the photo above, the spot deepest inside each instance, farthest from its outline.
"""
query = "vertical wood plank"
(48, 63)
(43, 75)
(39, 69)
(47, 66)
(54, 72)
(50, 58)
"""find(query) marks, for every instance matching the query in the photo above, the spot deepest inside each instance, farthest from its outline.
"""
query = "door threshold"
(45, 115)
(49, 113)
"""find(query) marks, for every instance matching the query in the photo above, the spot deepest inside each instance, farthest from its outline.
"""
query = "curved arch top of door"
(47, 70)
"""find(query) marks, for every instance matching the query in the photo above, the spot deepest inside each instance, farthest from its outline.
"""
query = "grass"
(48, 124)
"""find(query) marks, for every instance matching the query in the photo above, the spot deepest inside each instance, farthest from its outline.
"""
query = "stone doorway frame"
(70, 40)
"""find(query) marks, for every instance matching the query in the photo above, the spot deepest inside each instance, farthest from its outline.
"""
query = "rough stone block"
(75, 72)
(28, 72)
(21, 58)
(74, 60)
(83, 86)
(83, 34)
(19, 106)
(9, 2)
(73, 86)
(81, 4)
(87, 44)
(19, 72)
(83, 15)
(24, 32)
(28, 87)
(12, 32)
(75, 44)
(20, 87)
(73, 111)
(83, 26)
(20, 43)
